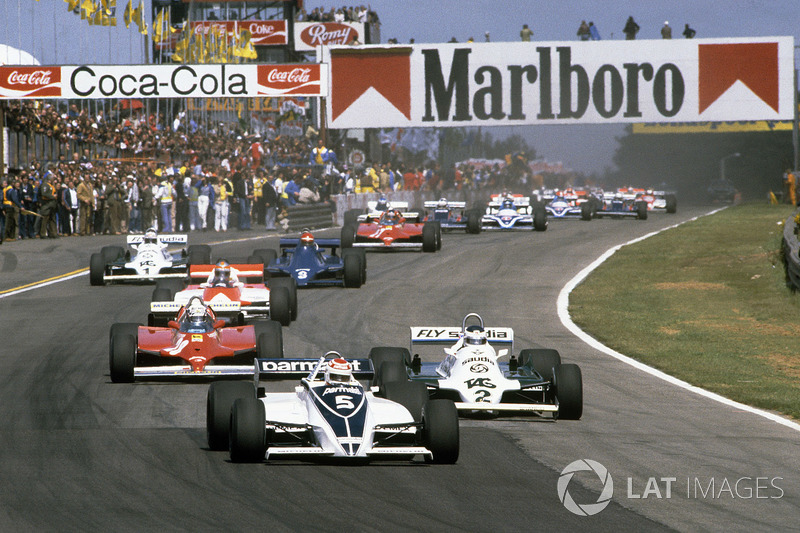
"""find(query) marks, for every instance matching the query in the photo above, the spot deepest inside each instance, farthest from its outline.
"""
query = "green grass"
(707, 303)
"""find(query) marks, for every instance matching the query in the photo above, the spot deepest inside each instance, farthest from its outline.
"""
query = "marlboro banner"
(163, 81)
(597, 82)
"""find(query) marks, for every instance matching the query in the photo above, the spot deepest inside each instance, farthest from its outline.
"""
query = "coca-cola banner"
(163, 81)
(263, 32)
(309, 35)
(519, 83)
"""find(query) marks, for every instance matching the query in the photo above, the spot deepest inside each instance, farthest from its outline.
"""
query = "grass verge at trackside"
(707, 303)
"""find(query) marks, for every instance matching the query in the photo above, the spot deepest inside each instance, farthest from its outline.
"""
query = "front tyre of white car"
(221, 396)
(97, 269)
(440, 431)
(247, 431)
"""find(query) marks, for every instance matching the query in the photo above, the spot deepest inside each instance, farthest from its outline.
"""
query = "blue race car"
(453, 215)
(305, 259)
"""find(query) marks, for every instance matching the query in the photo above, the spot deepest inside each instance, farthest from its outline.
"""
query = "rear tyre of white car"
(162, 294)
(672, 204)
(97, 269)
(569, 391)
(122, 358)
(474, 221)
(247, 431)
(352, 271)
(542, 360)
(429, 241)
(279, 307)
(291, 285)
(440, 431)
(221, 395)
(586, 211)
(413, 395)
(381, 354)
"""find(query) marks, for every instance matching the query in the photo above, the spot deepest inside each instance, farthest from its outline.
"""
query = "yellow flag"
(87, 9)
(72, 5)
(138, 18)
(128, 16)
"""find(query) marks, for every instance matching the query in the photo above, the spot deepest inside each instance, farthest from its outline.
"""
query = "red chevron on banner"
(386, 70)
(754, 64)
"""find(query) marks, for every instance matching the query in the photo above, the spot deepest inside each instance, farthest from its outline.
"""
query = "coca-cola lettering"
(608, 89)
(258, 28)
(37, 77)
(184, 80)
(296, 75)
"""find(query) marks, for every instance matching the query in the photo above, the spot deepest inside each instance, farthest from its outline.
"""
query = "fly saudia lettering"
(612, 90)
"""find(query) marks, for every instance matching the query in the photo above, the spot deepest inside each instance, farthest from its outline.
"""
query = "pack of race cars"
(222, 322)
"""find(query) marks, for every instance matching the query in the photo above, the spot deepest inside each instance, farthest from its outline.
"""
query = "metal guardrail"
(790, 246)
(311, 216)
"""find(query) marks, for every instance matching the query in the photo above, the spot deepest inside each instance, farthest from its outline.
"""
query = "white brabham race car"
(472, 375)
(329, 414)
(148, 258)
(513, 212)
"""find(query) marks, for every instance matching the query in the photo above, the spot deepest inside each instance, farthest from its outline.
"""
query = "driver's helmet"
(442, 202)
(338, 371)
(222, 274)
(475, 335)
(390, 217)
(382, 205)
(150, 236)
(508, 204)
(618, 196)
(196, 313)
(307, 238)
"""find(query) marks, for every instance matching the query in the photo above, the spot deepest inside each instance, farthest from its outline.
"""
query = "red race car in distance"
(390, 231)
(196, 344)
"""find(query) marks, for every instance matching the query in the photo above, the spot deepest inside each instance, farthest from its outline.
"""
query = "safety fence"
(311, 216)
(791, 251)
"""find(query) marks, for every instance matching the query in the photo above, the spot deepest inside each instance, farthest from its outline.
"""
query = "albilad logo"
(585, 509)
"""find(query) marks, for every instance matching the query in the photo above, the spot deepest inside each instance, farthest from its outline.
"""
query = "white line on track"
(563, 313)
(53, 281)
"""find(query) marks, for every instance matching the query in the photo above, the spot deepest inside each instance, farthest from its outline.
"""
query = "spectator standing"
(666, 30)
(594, 32)
(583, 31)
(270, 198)
(220, 206)
(292, 189)
(205, 198)
(100, 206)
(164, 196)
(258, 200)
(688, 32)
(115, 198)
(49, 201)
(86, 200)
(74, 207)
(11, 206)
(133, 200)
(244, 197)
(28, 193)
(147, 201)
(631, 29)
(525, 34)
(194, 195)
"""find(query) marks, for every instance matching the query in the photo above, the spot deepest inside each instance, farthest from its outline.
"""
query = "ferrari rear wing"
(186, 372)
(162, 239)
(242, 270)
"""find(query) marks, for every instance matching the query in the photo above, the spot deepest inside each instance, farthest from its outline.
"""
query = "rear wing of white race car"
(171, 238)
(496, 200)
(439, 335)
(433, 204)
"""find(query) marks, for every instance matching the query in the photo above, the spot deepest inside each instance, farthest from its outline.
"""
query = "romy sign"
(483, 84)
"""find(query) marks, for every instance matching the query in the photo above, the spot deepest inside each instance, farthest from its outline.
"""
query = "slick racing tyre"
(291, 285)
(351, 217)
(267, 255)
(413, 395)
(391, 371)
(122, 328)
(247, 431)
(362, 254)
(672, 204)
(641, 210)
(279, 305)
(199, 254)
(97, 269)
(586, 211)
(382, 354)
(269, 339)
(542, 360)
(429, 240)
(175, 285)
(349, 235)
(111, 253)
(540, 219)
(162, 294)
(569, 391)
(440, 431)
(352, 271)
(221, 395)
(474, 221)
(122, 358)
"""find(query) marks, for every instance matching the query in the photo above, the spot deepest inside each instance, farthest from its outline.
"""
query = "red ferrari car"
(391, 230)
(196, 344)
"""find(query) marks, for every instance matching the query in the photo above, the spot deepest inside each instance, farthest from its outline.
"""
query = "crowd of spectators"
(342, 14)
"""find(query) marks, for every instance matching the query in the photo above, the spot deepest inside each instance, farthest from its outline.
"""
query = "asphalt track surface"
(78, 453)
